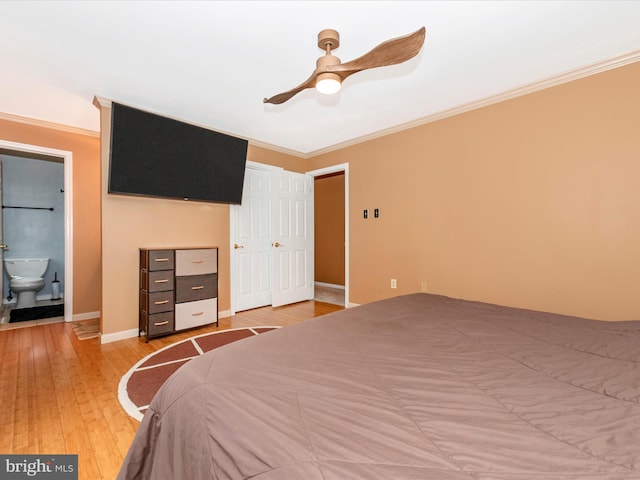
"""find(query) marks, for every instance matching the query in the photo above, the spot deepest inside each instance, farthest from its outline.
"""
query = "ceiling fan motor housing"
(326, 60)
(321, 70)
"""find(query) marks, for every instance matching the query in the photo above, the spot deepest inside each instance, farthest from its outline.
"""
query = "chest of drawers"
(178, 289)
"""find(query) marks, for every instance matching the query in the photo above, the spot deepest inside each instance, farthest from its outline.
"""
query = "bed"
(415, 387)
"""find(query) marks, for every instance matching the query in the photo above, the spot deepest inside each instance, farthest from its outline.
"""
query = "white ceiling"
(212, 62)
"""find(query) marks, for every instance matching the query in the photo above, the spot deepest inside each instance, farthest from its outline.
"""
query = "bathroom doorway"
(37, 219)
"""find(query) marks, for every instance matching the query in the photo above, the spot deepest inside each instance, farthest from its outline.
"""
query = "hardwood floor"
(59, 394)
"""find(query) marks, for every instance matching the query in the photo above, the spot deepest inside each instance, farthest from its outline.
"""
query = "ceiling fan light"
(328, 83)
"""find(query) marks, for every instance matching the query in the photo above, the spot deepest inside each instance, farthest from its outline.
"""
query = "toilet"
(26, 278)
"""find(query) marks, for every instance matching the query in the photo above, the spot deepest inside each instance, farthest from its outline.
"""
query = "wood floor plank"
(59, 394)
(8, 391)
(25, 437)
(50, 437)
(76, 438)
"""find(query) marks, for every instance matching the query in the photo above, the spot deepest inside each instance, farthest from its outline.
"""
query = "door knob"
(236, 246)
(3, 246)
(277, 244)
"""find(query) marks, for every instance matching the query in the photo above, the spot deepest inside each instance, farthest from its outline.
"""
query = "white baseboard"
(124, 334)
(329, 285)
(85, 316)
(351, 305)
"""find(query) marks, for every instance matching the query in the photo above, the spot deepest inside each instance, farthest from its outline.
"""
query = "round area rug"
(139, 385)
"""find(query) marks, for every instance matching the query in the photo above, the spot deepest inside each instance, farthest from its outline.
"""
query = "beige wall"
(329, 229)
(129, 223)
(86, 203)
(533, 202)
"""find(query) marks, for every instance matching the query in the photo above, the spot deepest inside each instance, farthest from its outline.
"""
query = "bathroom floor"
(6, 311)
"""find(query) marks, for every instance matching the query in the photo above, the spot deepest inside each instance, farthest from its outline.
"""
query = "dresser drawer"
(160, 302)
(194, 314)
(161, 260)
(196, 287)
(196, 261)
(160, 323)
(158, 281)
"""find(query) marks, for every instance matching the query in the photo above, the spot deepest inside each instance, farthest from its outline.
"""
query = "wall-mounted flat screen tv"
(155, 156)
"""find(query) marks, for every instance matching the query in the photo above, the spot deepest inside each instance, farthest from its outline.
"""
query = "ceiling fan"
(330, 72)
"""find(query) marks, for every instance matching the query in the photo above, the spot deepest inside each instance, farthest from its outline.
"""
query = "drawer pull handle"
(160, 324)
(162, 281)
(198, 287)
(162, 302)
(161, 260)
(197, 314)
(197, 261)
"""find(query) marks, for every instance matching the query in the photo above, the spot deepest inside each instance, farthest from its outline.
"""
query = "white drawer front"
(196, 261)
(194, 314)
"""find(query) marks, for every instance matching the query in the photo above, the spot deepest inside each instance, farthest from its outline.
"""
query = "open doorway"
(331, 218)
(329, 231)
(37, 219)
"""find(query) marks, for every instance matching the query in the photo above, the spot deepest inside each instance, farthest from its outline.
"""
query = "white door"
(292, 238)
(251, 242)
(266, 269)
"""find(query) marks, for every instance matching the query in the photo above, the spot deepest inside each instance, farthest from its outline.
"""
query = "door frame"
(67, 157)
(342, 167)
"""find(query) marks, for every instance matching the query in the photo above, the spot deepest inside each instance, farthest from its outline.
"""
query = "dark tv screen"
(155, 156)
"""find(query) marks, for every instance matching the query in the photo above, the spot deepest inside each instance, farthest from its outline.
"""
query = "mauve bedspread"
(415, 387)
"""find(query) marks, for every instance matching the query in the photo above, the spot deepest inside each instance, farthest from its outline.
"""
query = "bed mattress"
(415, 387)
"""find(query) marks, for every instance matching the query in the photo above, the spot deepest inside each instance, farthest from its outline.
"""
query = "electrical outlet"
(423, 287)
(394, 283)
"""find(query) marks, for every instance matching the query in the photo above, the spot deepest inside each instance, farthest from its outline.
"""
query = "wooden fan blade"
(394, 51)
(284, 96)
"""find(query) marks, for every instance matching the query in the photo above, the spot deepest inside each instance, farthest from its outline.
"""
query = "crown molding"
(566, 77)
(275, 148)
(43, 123)
(100, 102)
